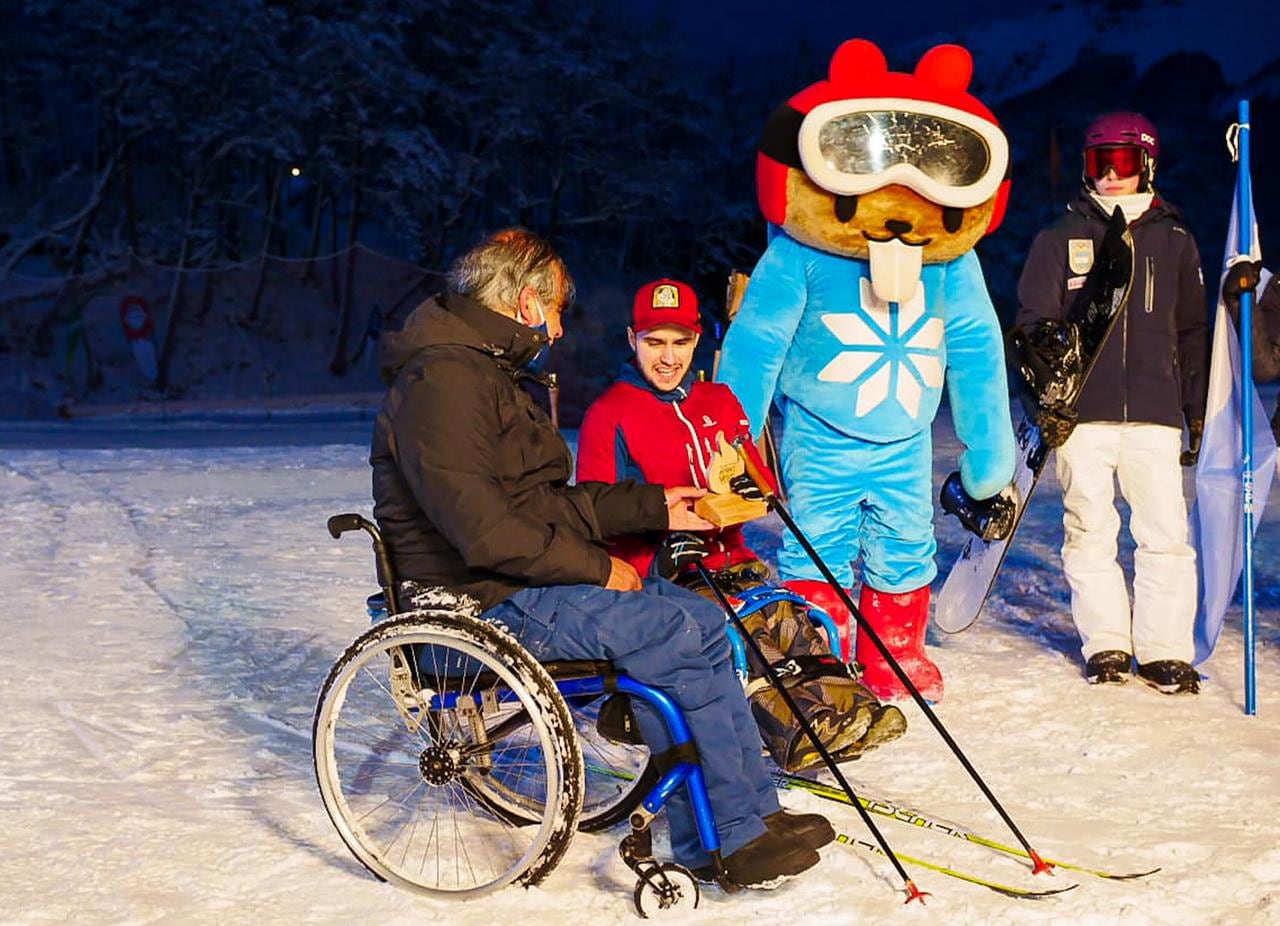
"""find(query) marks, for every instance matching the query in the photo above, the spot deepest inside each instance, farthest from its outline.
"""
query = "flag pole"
(1244, 233)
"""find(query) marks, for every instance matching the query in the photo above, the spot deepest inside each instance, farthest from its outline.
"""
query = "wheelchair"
(453, 764)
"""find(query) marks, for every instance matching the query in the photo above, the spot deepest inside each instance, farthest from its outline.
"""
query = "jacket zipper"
(695, 448)
(1124, 364)
(1151, 284)
(693, 470)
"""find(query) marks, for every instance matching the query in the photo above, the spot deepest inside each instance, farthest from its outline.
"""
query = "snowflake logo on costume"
(891, 354)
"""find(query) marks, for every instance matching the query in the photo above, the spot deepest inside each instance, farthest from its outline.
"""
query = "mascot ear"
(856, 60)
(947, 66)
(771, 189)
(1002, 203)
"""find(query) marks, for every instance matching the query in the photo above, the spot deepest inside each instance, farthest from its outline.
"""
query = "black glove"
(678, 552)
(989, 518)
(1242, 277)
(1056, 425)
(745, 487)
(1195, 431)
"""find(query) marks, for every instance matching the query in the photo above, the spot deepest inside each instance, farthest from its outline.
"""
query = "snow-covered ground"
(170, 613)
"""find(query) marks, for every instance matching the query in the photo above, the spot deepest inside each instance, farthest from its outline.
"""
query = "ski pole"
(913, 892)
(1039, 864)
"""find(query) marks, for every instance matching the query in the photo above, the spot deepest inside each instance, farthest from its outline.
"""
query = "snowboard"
(1092, 317)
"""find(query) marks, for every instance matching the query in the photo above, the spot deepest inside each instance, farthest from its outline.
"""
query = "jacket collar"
(505, 338)
(631, 375)
(449, 319)
(1084, 204)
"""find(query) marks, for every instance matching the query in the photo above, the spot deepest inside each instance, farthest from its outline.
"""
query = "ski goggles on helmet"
(948, 156)
(1126, 160)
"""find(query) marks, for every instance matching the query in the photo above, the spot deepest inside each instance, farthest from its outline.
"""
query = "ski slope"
(169, 614)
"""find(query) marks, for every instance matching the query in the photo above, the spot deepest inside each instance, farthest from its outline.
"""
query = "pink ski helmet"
(1122, 130)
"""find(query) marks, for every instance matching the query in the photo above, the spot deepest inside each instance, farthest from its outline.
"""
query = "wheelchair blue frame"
(677, 726)
(682, 773)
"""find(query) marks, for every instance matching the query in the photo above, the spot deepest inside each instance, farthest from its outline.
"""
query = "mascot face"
(897, 169)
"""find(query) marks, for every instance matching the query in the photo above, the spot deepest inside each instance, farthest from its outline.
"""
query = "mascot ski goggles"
(948, 156)
(1126, 160)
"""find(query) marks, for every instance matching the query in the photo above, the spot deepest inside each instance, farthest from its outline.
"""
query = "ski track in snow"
(171, 614)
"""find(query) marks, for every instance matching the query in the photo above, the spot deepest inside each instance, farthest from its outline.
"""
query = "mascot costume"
(876, 186)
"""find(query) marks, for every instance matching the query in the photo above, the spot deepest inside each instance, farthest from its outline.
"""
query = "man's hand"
(680, 516)
(622, 576)
(745, 488)
(679, 551)
(1195, 431)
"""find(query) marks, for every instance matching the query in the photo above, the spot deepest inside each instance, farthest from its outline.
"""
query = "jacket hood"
(452, 320)
(630, 374)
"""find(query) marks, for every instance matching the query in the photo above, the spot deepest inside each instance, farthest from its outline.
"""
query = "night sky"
(720, 29)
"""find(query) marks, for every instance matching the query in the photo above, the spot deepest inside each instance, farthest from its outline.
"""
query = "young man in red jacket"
(658, 423)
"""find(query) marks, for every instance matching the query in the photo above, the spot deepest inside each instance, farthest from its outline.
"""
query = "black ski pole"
(770, 497)
(913, 892)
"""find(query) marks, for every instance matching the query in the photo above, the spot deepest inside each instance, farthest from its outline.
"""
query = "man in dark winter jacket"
(1150, 378)
(471, 490)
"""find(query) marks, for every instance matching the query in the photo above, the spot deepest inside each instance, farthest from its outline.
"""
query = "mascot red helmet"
(866, 127)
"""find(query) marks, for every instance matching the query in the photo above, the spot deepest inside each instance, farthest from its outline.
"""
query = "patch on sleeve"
(1080, 254)
(1075, 283)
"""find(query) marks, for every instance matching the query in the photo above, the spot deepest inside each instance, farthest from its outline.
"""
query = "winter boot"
(1109, 667)
(765, 862)
(887, 724)
(900, 620)
(823, 596)
(837, 731)
(1171, 676)
(810, 829)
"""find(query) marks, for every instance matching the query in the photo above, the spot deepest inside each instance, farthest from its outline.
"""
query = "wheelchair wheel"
(408, 756)
(616, 775)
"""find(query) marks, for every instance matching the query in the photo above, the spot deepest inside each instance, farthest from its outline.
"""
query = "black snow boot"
(812, 829)
(765, 862)
(1171, 676)
(1109, 667)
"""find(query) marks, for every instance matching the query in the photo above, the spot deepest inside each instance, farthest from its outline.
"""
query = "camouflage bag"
(847, 717)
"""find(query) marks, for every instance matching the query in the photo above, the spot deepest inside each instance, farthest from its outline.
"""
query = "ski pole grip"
(756, 476)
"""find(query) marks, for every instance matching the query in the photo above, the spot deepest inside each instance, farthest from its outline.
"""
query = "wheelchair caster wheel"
(662, 888)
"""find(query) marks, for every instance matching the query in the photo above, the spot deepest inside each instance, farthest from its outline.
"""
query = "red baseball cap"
(665, 302)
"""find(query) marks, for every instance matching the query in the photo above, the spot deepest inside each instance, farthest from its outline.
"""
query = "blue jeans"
(673, 639)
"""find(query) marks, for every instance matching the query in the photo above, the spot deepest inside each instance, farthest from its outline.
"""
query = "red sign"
(135, 318)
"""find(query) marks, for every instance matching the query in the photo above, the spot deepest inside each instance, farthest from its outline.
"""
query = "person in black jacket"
(1247, 276)
(1150, 378)
(471, 487)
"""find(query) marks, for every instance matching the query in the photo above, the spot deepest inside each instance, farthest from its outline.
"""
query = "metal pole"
(1244, 238)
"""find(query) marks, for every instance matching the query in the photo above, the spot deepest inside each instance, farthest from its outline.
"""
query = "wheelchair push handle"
(340, 524)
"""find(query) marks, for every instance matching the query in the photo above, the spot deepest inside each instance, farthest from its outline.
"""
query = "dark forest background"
(200, 136)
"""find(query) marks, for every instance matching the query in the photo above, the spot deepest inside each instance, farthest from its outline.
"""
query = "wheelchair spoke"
(479, 785)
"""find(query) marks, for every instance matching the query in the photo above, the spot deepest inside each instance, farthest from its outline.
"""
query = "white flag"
(1217, 519)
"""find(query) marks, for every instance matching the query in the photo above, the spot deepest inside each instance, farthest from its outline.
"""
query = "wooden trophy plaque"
(721, 505)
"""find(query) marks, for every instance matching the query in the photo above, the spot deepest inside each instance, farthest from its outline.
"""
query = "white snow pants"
(1145, 459)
